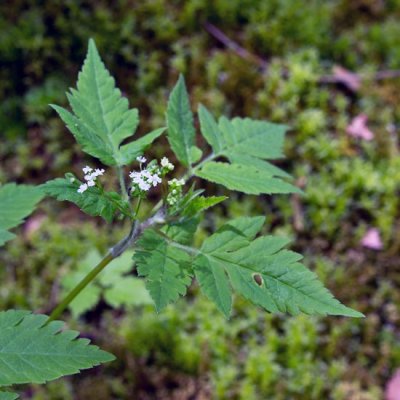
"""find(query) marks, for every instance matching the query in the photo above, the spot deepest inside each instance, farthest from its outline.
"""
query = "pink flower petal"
(347, 78)
(393, 387)
(372, 239)
(358, 128)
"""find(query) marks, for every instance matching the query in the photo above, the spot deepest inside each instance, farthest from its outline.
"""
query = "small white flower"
(82, 188)
(89, 177)
(133, 174)
(154, 180)
(91, 183)
(141, 159)
(144, 186)
(98, 172)
(146, 174)
(87, 169)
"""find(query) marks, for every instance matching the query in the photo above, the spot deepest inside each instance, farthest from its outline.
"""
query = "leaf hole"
(258, 279)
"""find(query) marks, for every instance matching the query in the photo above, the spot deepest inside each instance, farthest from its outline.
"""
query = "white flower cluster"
(145, 178)
(90, 178)
(165, 163)
(175, 190)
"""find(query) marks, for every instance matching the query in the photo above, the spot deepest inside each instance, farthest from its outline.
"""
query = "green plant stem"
(81, 285)
(138, 207)
(193, 169)
(122, 182)
(136, 229)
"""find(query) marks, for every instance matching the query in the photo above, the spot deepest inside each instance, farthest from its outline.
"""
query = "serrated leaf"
(130, 151)
(210, 130)
(93, 201)
(201, 203)
(16, 203)
(246, 143)
(33, 352)
(166, 268)
(101, 118)
(214, 282)
(262, 272)
(91, 143)
(244, 178)
(182, 231)
(234, 234)
(181, 132)
(255, 138)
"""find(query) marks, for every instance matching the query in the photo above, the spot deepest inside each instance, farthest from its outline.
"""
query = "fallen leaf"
(372, 240)
(347, 78)
(393, 387)
(358, 128)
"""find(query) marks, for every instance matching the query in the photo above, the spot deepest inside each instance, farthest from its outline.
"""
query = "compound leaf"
(33, 352)
(16, 203)
(247, 144)
(181, 132)
(166, 268)
(262, 271)
(101, 118)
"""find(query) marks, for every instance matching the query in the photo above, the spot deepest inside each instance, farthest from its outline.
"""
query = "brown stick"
(232, 45)
(331, 78)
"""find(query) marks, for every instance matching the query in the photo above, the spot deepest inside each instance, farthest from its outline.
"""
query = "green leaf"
(94, 201)
(181, 132)
(5, 236)
(33, 352)
(166, 268)
(201, 203)
(182, 231)
(8, 396)
(255, 138)
(101, 118)
(214, 282)
(210, 272)
(210, 130)
(16, 203)
(262, 272)
(246, 143)
(91, 142)
(244, 178)
(130, 151)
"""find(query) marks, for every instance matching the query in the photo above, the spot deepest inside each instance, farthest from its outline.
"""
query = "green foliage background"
(190, 350)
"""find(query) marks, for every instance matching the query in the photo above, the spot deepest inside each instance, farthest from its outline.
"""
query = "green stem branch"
(78, 288)
(136, 230)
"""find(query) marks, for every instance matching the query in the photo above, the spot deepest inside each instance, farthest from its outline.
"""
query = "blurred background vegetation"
(351, 185)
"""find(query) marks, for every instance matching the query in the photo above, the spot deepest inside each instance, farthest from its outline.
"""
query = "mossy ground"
(190, 351)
